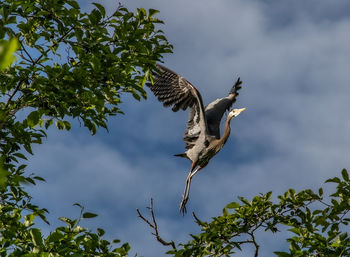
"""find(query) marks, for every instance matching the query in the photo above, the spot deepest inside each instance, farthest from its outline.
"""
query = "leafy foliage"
(317, 223)
(72, 64)
(69, 240)
(68, 64)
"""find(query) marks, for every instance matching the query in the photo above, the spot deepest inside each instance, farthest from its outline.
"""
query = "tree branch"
(255, 244)
(13, 93)
(25, 50)
(153, 224)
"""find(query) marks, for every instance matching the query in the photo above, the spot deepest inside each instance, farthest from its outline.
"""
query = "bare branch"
(153, 224)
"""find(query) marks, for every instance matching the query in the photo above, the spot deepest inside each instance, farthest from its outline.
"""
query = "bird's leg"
(187, 189)
(186, 193)
(194, 172)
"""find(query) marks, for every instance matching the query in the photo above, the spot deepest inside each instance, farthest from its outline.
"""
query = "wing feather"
(173, 90)
(215, 110)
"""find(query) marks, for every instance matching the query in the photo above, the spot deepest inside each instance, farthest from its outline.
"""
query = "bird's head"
(234, 113)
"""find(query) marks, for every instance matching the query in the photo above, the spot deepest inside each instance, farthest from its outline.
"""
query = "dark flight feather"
(173, 90)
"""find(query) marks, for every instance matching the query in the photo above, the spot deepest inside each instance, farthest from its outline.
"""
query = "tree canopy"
(317, 224)
(69, 64)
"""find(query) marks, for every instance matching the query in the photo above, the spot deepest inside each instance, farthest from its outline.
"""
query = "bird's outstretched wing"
(215, 110)
(174, 90)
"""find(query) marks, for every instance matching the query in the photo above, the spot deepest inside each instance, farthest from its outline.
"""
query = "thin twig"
(13, 93)
(25, 50)
(255, 244)
(245, 242)
(196, 218)
(324, 203)
(154, 226)
(53, 45)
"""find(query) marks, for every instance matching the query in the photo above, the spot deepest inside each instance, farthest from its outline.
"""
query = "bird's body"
(202, 136)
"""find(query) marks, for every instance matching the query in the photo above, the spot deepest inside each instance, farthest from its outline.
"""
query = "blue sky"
(293, 58)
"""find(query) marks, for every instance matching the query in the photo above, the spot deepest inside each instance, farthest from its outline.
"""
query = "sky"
(293, 58)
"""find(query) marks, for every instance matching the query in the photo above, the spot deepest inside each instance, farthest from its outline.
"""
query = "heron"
(202, 135)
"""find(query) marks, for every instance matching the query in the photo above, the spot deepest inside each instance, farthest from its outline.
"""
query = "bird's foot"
(183, 209)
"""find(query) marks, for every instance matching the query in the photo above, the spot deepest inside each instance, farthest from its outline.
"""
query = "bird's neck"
(227, 131)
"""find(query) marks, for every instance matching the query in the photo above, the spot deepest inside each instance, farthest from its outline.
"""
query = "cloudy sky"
(293, 58)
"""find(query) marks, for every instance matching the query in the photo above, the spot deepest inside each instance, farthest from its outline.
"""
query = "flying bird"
(202, 135)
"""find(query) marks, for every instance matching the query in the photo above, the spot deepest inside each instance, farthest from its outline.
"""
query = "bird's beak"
(240, 110)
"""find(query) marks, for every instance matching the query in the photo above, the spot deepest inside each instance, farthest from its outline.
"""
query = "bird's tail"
(183, 155)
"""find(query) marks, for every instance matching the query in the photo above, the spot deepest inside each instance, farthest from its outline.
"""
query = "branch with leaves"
(319, 224)
(69, 65)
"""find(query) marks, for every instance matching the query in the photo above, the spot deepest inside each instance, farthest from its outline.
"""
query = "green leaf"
(66, 220)
(3, 173)
(333, 180)
(36, 237)
(67, 125)
(295, 230)
(320, 191)
(29, 220)
(283, 254)
(268, 195)
(39, 178)
(28, 148)
(77, 255)
(89, 215)
(142, 12)
(12, 19)
(100, 232)
(79, 205)
(60, 124)
(136, 96)
(48, 123)
(152, 12)
(33, 119)
(7, 49)
(74, 4)
(55, 236)
(337, 242)
(233, 205)
(100, 8)
(345, 175)
(20, 155)
(30, 180)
